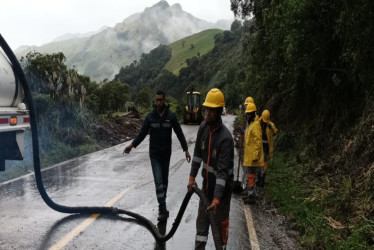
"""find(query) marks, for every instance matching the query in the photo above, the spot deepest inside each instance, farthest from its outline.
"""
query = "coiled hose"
(94, 210)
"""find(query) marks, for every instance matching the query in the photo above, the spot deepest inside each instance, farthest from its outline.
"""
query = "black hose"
(163, 238)
(93, 210)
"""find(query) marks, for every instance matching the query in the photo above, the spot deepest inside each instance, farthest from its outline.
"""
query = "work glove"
(191, 183)
(213, 206)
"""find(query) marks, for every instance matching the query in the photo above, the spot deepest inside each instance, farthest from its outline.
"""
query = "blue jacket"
(159, 130)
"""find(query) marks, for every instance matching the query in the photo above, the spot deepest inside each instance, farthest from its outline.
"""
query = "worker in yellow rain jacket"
(249, 99)
(244, 125)
(253, 151)
(268, 131)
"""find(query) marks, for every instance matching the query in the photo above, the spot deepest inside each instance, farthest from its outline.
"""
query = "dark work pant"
(160, 169)
(221, 219)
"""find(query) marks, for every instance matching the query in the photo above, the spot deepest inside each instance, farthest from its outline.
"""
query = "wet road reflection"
(95, 180)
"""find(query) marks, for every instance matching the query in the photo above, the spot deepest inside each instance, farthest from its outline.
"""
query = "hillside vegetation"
(311, 64)
(195, 45)
(201, 72)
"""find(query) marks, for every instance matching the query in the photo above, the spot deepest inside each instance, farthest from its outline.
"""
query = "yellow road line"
(251, 229)
(74, 233)
(77, 230)
(118, 196)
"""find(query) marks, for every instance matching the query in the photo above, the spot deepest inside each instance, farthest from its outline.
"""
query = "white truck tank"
(14, 117)
(11, 93)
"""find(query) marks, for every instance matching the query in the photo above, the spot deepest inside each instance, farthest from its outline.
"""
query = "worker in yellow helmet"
(249, 99)
(214, 148)
(253, 151)
(268, 131)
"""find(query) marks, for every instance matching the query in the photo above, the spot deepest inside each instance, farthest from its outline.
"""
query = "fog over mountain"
(78, 35)
(102, 54)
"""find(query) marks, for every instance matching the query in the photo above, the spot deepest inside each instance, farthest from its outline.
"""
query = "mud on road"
(273, 231)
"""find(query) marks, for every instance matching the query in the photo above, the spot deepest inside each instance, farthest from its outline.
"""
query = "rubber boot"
(251, 198)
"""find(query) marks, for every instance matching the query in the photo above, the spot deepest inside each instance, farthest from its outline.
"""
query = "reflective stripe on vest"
(197, 159)
(221, 182)
(166, 125)
(212, 171)
(201, 238)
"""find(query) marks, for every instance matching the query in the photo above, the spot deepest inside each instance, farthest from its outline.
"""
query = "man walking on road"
(215, 149)
(159, 124)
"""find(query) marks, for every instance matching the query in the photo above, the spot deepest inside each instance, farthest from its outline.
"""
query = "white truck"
(14, 117)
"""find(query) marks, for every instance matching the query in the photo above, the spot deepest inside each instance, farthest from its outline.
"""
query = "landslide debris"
(118, 130)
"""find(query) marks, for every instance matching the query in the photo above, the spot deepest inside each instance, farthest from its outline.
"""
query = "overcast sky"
(35, 22)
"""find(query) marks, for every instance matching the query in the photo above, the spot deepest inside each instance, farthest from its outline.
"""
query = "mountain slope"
(195, 45)
(101, 55)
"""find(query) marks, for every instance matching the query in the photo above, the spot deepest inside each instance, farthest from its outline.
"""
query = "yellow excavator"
(192, 109)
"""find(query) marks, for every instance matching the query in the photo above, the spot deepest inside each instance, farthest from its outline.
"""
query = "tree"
(47, 73)
(149, 65)
(236, 28)
(143, 99)
(113, 96)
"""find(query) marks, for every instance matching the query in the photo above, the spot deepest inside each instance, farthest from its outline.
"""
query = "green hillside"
(195, 45)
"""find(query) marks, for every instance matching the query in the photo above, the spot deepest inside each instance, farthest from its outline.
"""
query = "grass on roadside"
(62, 152)
(307, 205)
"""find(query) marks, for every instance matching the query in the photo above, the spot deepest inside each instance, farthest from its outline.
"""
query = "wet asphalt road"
(109, 178)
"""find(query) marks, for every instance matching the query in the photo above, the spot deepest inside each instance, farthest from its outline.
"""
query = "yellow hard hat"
(266, 116)
(214, 99)
(249, 99)
(250, 108)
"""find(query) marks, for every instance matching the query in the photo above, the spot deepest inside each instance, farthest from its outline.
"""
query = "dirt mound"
(121, 129)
